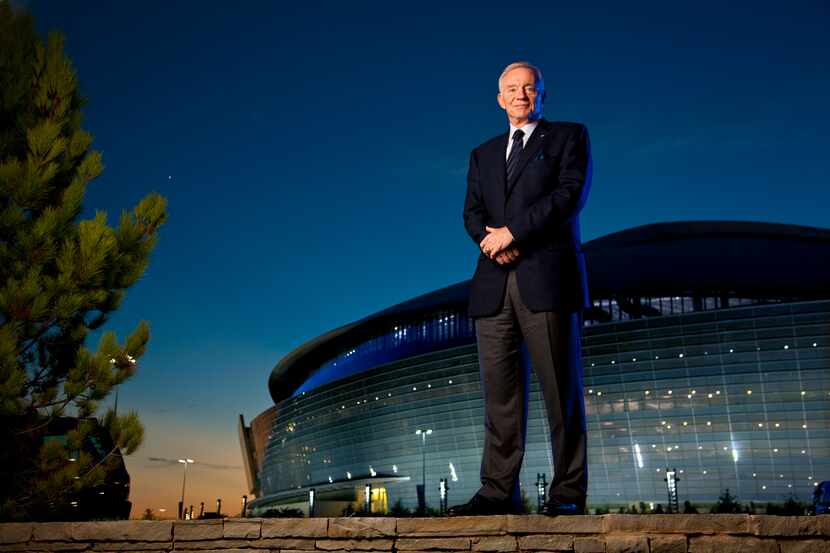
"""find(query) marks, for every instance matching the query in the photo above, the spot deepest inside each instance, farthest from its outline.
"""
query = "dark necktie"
(513, 158)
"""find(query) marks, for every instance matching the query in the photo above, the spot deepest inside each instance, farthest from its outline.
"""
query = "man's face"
(519, 96)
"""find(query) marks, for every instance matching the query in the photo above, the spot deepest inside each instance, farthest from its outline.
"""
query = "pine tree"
(60, 278)
(727, 503)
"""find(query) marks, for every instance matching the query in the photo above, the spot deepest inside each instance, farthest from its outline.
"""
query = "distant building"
(707, 350)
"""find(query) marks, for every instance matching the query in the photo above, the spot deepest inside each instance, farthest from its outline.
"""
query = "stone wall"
(499, 534)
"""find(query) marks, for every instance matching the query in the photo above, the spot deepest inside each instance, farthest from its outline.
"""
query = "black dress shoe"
(554, 507)
(481, 506)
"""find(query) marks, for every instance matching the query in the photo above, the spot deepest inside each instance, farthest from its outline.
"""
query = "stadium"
(705, 353)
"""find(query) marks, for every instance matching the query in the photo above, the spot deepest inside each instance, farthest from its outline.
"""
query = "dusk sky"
(314, 158)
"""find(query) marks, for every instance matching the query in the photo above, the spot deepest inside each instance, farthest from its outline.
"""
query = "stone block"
(228, 550)
(731, 544)
(48, 546)
(427, 544)
(667, 544)
(16, 532)
(53, 531)
(196, 531)
(242, 529)
(354, 545)
(677, 524)
(133, 546)
(540, 524)
(294, 527)
(804, 546)
(494, 543)
(547, 542)
(211, 544)
(589, 545)
(361, 527)
(769, 525)
(626, 544)
(295, 544)
(123, 530)
(454, 526)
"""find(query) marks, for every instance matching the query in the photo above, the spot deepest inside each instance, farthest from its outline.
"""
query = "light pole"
(184, 481)
(422, 500)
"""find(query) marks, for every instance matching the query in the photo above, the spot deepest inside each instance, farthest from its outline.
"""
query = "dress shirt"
(528, 129)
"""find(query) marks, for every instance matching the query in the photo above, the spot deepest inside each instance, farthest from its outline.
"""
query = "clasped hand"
(497, 245)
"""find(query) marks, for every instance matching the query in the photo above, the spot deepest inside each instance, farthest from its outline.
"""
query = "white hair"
(540, 81)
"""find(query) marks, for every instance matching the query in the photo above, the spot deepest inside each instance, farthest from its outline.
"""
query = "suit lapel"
(529, 152)
(499, 169)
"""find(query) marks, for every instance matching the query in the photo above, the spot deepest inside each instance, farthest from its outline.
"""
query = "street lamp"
(184, 481)
(422, 501)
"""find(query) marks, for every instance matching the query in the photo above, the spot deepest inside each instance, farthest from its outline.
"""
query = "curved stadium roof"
(751, 260)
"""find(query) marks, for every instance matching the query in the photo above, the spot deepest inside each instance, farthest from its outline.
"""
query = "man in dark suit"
(525, 190)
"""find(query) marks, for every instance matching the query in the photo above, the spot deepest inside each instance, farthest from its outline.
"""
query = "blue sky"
(314, 158)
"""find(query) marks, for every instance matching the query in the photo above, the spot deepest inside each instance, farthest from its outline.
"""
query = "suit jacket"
(541, 208)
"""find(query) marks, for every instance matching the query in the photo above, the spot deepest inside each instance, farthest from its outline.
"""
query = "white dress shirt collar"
(527, 128)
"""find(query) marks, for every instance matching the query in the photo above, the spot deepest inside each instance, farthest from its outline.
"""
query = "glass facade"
(731, 396)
